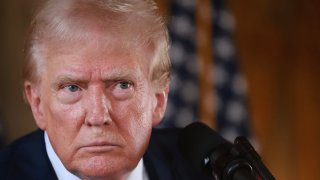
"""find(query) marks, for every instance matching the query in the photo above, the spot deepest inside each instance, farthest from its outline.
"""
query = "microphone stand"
(240, 162)
(246, 149)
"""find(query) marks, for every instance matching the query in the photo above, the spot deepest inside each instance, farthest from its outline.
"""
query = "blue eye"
(72, 88)
(124, 85)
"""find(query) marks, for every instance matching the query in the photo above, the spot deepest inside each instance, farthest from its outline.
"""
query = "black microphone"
(209, 152)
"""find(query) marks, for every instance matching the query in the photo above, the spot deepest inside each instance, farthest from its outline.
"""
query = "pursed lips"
(103, 146)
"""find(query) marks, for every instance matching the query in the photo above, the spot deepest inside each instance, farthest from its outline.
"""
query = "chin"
(103, 168)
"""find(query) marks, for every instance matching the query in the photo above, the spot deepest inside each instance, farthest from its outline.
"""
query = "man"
(97, 78)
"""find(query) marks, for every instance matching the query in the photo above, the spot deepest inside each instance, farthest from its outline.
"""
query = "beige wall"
(279, 46)
(279, 49)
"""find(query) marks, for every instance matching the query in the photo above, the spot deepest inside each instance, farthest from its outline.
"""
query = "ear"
(33, 96)
(160, 107)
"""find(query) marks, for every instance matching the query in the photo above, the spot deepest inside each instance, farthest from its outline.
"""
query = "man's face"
(97, 106)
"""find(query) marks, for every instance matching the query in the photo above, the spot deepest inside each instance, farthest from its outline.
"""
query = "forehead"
(123, 44)
(84, 58)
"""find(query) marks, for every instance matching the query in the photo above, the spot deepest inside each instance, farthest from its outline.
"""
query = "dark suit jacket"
(26, 158)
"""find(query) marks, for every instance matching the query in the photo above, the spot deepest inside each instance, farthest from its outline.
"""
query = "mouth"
(100, 147)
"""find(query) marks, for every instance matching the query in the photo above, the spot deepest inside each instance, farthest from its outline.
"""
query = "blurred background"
(270, 48)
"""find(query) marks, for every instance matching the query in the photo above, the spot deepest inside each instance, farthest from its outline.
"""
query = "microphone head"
(197, 142)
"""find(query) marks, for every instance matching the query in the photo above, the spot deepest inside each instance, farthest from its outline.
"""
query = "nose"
(98, 107)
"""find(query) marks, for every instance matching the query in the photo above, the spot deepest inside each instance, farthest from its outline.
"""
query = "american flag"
(182, 106)
(229, 86)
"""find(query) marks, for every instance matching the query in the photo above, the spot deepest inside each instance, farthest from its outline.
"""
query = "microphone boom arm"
(247, 151)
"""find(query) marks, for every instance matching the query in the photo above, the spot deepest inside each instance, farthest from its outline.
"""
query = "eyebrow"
(120, 74)
(106, 78)
(64, 79)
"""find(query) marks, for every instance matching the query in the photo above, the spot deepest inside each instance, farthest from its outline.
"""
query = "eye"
(69, 93)
(124, 85)
(73, 88)
(123, 90)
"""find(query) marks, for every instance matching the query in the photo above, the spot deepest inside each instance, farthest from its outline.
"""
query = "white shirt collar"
(139, 173)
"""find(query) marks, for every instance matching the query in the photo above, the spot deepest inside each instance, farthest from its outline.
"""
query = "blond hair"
(71, 20)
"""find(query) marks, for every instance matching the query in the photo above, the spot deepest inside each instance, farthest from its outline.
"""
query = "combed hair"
(61, 21)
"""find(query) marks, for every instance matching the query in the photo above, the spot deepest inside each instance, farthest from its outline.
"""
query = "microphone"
(211, 153)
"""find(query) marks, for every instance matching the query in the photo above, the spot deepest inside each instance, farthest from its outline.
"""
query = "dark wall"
(15, 17)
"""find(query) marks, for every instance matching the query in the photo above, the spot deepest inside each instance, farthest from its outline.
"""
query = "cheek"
(63, 122)
(134, 121)
(64, 115)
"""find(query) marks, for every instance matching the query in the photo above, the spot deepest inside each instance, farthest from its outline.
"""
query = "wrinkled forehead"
(99, 45)
(126, 37)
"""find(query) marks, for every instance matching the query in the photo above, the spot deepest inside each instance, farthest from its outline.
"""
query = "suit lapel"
(31, 160)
